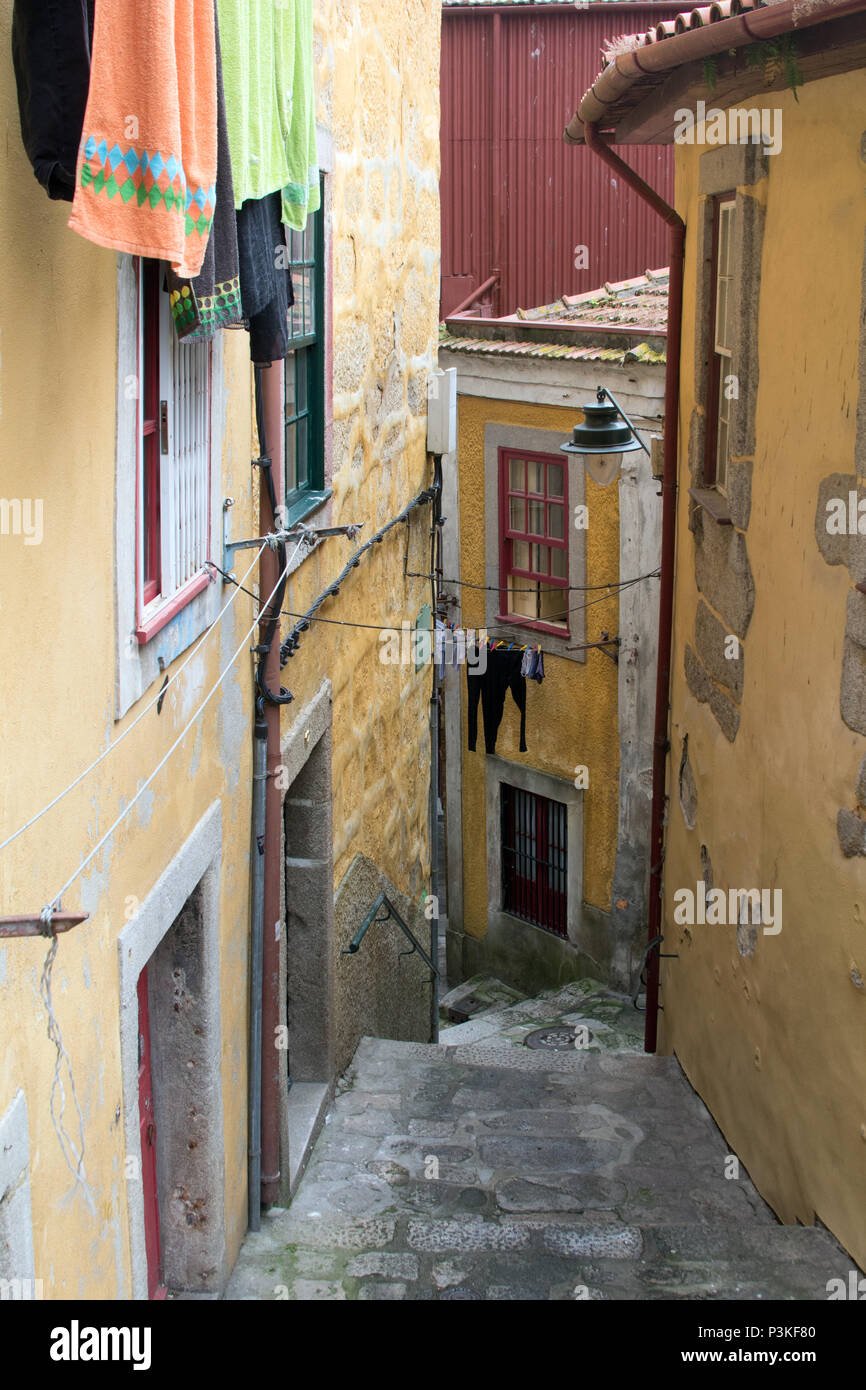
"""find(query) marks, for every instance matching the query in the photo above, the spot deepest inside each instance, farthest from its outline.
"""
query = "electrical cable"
(50, 906)
(379, 627)
(562, 588)
(138, 718)
(290, 645)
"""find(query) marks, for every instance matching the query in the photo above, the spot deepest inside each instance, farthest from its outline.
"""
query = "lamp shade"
(602, 437)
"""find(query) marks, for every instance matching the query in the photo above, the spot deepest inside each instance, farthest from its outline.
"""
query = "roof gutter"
(664, 50)
(666, 588)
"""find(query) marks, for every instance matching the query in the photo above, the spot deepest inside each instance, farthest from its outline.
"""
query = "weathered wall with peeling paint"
(378, 112)
(771, 1028)
(57, 657)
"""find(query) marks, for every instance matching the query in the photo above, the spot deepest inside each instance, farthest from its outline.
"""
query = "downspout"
(260, 755)
(666, 595)
(435, 571)
(271, 499)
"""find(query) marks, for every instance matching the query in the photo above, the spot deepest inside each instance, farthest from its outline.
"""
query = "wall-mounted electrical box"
(442, 412)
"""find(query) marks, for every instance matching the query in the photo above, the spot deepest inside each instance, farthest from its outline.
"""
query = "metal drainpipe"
(666, 587)
(272, 1057)
(435, 566)
(260, 756)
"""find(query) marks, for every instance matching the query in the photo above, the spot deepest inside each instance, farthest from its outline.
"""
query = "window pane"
(520, 603)
(552, 605)
(291, 461)
(554, 480)
(291, 391)
(540, 557)
(517, 512)
(302, 375)
(302, 314)
(559, 564)
(724, 227)
(722, 457)
(555, 522)
(534, 476)
(722, 315)
(516, 475)
(520, 555)
(303, 451)
(536, 518)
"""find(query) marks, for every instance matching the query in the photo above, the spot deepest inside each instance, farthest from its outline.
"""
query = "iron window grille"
(534, 845)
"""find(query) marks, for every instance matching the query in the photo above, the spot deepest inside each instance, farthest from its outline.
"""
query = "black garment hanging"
(51, 57)
(266, 281)
(491, 686)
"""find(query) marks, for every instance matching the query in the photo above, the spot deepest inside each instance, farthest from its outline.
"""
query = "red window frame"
(148, 463)
(534, 853)
(510, 535)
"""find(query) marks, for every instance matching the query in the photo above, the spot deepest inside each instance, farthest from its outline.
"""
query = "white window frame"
(144, 647)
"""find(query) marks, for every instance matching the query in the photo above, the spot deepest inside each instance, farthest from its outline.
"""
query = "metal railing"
(391, 914)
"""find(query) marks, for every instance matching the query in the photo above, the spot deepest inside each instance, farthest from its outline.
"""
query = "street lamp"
(604, 435)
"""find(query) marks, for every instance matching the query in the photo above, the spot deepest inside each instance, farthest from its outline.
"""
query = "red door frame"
(147, 1135)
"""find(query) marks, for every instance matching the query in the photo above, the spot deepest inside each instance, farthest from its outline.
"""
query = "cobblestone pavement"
(474, 1172)
(610, 1020)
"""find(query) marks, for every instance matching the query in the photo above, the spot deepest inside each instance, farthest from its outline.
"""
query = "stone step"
(479, 1173)
(420, 1257)
(481, 994)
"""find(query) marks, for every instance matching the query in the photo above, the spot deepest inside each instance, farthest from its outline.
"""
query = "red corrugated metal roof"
(513, 196)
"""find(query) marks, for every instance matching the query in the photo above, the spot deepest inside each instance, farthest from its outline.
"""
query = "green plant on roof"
(711, 71)
(773, 54)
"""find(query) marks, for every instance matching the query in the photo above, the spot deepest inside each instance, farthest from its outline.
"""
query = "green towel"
(267, 52)
(301, 189)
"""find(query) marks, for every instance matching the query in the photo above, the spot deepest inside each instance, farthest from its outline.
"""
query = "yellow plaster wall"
(58, 340)
(378, 85)
(777, 1044)
(378, 89)
(571, 718)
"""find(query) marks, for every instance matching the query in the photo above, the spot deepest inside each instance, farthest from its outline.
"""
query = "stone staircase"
(476, 1172)
(499, 1016)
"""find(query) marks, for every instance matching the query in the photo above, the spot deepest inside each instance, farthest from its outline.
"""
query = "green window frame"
(305, 372)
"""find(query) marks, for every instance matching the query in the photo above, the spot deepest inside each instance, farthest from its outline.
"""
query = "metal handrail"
(390, 912)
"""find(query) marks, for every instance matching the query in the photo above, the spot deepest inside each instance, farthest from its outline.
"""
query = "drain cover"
(558, 1039)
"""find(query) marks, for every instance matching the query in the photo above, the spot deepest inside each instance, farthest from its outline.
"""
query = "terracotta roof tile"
(625, 308)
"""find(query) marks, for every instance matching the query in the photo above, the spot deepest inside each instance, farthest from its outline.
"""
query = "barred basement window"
(535, 859)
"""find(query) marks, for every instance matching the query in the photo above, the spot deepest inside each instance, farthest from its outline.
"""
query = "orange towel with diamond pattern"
(146, 176)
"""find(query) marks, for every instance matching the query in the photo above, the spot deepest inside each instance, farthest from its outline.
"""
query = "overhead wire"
(379, 627)
(52, 904)
(562, 588)
(138, 718)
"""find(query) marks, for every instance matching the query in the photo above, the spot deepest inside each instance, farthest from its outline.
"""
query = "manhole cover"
(557, 1039)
